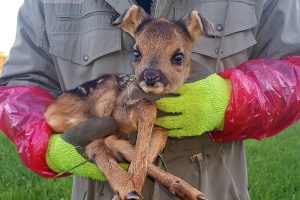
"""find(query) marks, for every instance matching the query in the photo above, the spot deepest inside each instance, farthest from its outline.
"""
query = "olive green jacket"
(61, 44)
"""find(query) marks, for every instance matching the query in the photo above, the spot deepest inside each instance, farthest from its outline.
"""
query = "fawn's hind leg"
(67, 111)
(119, 180)
(157, 143)
(174, 184)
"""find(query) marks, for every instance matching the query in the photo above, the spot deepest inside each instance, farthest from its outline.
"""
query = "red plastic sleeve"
(265, 99)
(21, 114)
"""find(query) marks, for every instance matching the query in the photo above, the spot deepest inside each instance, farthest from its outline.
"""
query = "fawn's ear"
(197, 25)
(131, 19)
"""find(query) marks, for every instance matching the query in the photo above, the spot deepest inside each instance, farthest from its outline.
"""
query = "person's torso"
(85, 46)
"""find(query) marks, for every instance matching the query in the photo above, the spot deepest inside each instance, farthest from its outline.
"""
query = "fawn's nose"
(151, 76)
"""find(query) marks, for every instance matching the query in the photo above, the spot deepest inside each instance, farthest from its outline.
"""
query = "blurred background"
(273, 164)
(8, 22)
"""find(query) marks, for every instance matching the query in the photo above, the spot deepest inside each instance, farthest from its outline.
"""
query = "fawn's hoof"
(133, 196)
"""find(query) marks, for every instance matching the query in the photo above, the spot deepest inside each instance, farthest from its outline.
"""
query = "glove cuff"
(220, 96)
(62, 157)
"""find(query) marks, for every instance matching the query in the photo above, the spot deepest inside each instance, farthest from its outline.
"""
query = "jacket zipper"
(132, 2)
(153, 8)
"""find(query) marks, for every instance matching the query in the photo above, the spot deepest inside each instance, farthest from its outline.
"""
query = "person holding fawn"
(244, 83)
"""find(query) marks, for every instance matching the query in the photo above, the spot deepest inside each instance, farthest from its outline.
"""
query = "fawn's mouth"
(157, 88)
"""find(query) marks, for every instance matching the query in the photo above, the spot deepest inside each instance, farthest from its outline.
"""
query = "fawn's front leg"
(146, 114)
(119, 180)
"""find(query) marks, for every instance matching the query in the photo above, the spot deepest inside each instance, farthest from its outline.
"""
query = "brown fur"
(158, 41)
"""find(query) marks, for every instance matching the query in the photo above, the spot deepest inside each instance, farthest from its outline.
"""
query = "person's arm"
(28, 78)
(256, 100)
(264, 99)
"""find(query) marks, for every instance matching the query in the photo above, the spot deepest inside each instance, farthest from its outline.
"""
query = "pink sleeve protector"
(265, 99)
(21, 119)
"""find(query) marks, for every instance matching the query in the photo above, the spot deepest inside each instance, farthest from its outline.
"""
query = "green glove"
(201, 105)
(65, 152)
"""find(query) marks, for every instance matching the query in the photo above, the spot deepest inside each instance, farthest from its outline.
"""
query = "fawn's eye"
(136, 55)
(177, 58)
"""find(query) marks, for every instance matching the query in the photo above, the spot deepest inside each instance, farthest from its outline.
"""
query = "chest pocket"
(240, 19)
(80, 31)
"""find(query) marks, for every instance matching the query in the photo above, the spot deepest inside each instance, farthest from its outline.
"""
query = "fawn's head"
(162, 50)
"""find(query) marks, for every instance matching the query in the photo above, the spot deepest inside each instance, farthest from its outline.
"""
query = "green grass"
(19, 183)
(273, 169)
(274, 166)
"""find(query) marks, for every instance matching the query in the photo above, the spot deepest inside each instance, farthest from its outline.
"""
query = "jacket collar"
(120, 5)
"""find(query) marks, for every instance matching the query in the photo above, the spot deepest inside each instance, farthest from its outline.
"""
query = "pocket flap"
(233, 44)
(241, 14)
(84, 47)
(241, 18)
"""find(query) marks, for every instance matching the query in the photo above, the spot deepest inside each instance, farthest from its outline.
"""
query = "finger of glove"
(171, 104)
(140, 94)
(178, 133)
(86, 132)
(170, 122)
(184, 89)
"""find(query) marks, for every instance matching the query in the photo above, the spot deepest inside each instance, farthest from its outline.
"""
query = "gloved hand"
(199, 108)
(66, 151)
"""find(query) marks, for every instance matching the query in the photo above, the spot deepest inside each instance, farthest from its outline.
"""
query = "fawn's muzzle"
(151, 76)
